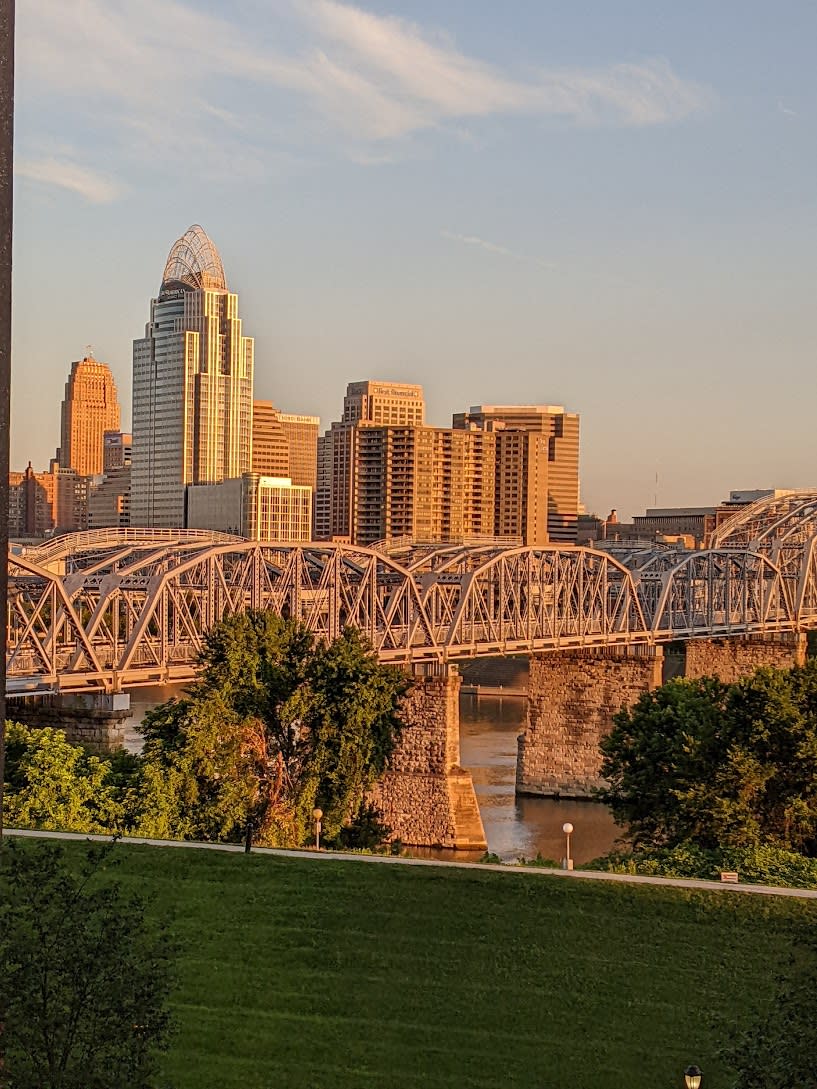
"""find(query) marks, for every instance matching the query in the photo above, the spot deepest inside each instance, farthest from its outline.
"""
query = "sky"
(609, 206)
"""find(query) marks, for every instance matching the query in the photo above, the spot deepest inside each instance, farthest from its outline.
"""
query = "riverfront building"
(395, 404)
(427, 483)
(537, 469)
(508, 472)
(192, 386)
(260, 508)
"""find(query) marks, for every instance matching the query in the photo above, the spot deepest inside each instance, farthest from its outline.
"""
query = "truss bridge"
(113, 609)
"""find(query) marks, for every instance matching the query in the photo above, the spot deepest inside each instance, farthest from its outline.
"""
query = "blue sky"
(609, 205)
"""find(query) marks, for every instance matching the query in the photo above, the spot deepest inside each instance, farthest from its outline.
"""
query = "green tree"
(719, 765)
(277, 724)
(655, 755)
(779, 1051)
(195, 778)
(84, 979)
(52, 784)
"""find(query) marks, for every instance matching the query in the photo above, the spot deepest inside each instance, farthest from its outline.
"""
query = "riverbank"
(302, 972)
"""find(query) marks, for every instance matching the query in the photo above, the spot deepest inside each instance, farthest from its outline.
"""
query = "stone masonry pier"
(572, 697)
(94, 719)
(731, 659)
(425, 796)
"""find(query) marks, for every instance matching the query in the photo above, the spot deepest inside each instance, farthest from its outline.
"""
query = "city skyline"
(614, 213)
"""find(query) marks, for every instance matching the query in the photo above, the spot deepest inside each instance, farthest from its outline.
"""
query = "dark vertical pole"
(6, 201)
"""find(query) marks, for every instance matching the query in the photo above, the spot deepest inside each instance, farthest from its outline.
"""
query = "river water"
(514, 827)
(522, 827)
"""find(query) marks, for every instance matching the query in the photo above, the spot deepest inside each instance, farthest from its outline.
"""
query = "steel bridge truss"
(112, 609)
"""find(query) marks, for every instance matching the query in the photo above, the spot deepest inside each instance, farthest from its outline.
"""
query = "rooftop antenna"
(89, 351)
(655, 497)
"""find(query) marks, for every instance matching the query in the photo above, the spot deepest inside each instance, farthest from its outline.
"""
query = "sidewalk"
(389, 860)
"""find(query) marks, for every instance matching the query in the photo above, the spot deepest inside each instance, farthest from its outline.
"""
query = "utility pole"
(6, 204)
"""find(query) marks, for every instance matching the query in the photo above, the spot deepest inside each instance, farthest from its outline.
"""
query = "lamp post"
(567, 861)
(693, 1076)
(317, 814)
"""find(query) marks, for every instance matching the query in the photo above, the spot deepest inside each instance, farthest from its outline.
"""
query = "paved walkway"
(389, 860)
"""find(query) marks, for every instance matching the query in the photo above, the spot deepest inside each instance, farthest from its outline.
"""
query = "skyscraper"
(386, 403)
(537, 469)
(270, 449)
(427, 483)
(302, 439)
(285, 445)
(192, 386)
(90, 408)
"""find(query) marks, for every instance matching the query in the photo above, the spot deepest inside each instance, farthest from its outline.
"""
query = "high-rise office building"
(109, 500)
(109, 495)
(427, 483)
(192, 386)
(394, 404)
(302, 440)
(270, 448)
(90, 408)
(536, 475)
(116, 451)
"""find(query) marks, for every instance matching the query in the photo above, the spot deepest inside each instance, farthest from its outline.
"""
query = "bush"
(754, 865)
(366, 831)
(54, 785)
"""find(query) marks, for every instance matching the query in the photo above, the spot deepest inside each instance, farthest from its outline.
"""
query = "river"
(514, 827)
(522, 827)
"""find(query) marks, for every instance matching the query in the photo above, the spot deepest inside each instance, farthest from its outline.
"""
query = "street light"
(567, 861)
(693, 1076)
(317, 814)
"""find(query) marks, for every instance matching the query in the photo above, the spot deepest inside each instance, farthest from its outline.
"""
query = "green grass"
(340, 975)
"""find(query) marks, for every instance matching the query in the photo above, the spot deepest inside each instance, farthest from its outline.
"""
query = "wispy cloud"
(786, 110)
(563, 268)
(407, 65)
(497, 250)
(165, 84)
(65, 174)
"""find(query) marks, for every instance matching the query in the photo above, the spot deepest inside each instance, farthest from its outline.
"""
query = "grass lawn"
(353, 975)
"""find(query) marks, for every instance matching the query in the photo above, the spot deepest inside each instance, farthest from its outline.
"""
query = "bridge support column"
(733, 658)
(93, 719)
(572, 697)
(425, 796)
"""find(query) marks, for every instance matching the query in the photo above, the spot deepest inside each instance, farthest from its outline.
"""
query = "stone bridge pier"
(94, 719)
(573, 695)
(731, 659)
(425, 796)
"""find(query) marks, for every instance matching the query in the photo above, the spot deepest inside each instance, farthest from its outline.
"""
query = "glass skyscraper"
(192, 386)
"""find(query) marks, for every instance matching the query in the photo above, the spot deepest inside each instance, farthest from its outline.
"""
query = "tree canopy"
(779, 1051)
(719, 765)
(277, 724)
(52, 784)
(84, 978)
